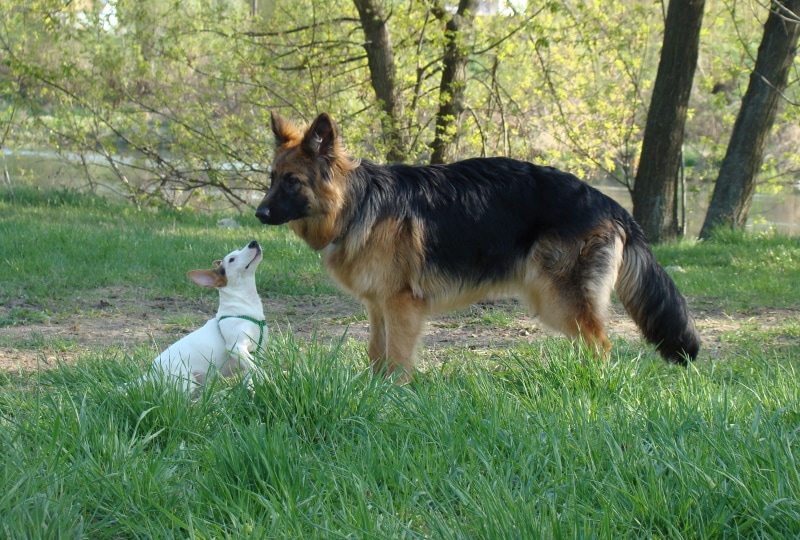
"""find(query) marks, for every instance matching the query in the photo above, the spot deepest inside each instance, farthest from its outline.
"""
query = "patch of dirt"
(121, 320)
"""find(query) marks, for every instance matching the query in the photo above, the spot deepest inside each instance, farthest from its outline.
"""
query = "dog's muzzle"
(277, 210)
(254, 245)
(263, 215)
(270, 217)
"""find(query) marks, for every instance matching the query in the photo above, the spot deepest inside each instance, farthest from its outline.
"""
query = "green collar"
(261, 325)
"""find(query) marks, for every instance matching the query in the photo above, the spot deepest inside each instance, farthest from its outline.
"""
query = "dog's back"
(482, 216)
(189, 360)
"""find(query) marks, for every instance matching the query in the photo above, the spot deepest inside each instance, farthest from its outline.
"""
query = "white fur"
(220, 346)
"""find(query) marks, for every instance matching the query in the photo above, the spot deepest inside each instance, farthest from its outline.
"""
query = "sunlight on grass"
(738, 271)
(553, 447)
(531, 439)
(135, 248)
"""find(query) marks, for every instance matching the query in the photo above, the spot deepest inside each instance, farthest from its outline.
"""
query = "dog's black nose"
(263, 215)
(253, 245)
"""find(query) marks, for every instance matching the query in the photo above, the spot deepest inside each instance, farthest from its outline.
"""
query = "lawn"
(533, 439)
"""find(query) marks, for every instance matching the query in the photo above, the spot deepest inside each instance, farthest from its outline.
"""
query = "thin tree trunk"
(382, 69)
(736, 183)
(654, 190)
(454, 78)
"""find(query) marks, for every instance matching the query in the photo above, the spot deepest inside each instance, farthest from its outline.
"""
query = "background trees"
(168, 102)
(736, 184)
(452, 90)
(383, 74)
(655, 201)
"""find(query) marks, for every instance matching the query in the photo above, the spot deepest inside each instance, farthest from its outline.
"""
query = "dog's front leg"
(405, 317)
(240, 359)
(377, 337)
(243, 358)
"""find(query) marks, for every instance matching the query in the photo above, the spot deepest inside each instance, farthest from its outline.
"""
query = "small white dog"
(225, 344)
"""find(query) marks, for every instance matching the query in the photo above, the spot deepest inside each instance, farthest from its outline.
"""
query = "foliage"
(169, 102)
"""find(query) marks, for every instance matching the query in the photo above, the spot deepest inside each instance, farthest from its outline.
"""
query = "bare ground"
(121, 320)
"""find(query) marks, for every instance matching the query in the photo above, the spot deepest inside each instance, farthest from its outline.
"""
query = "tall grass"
(545, 444)
(551, 446)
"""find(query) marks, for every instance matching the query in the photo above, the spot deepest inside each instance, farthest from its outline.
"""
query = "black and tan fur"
(409, 242)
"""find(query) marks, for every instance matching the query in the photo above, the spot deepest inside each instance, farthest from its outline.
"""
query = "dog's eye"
(291, 180)
(231, 259)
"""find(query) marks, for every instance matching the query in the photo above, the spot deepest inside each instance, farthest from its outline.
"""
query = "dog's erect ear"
(207, 278)
(320, 139)
(283, 130)
(217, 263)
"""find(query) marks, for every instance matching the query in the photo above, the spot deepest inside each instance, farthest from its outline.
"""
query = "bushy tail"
(653, 301)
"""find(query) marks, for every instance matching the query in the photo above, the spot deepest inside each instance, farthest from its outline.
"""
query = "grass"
(737, 271)
(81, 243)
(536, 441)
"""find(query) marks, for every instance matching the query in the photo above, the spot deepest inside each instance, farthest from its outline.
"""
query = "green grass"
(536, 441)
(56, 244)
(36, 340)
(23, 315)
(737, 271)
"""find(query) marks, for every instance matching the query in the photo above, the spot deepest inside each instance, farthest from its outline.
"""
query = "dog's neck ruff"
(340, 236)
(258, 322)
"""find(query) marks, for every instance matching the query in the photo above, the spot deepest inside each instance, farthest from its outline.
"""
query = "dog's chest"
(362, 272)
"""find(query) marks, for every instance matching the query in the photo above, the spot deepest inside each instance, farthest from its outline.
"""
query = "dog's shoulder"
(236, 328)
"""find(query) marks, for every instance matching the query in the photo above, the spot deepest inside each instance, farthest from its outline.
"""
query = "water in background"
(780, 212)
(49, 170)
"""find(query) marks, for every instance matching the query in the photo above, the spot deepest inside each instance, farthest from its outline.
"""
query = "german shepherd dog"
(411, 241)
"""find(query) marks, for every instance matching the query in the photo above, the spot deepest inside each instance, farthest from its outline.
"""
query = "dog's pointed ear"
(283, 130)
(320, 139)
(207, 278)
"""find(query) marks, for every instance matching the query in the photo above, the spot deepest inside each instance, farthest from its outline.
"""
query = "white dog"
(226, 343)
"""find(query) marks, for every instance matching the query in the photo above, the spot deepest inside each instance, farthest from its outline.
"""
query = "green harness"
(261, 325)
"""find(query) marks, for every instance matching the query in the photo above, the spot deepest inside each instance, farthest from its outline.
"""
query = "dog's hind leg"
(596, 275)
(569, 285)
(244, 358)
(404, 318)
(574, 313)
(591, 332)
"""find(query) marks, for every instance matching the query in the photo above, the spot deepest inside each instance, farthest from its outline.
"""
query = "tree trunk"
(454, 78)
(382, 69)
(654, 190)
(736, 183)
